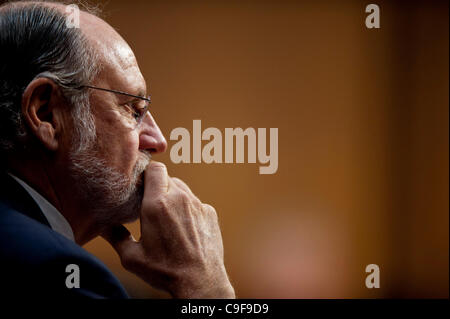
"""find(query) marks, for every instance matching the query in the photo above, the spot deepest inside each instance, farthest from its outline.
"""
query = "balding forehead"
(114, 52)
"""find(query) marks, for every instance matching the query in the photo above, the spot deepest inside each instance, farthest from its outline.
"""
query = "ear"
(42, 110)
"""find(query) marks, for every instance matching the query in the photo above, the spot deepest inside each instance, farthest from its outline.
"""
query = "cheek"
(118, 143)
(130, 151)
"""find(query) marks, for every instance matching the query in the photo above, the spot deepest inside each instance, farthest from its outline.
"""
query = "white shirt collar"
(56, 220)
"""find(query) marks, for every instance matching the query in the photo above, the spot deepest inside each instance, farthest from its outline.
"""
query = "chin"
(112, 197)
(126, 212)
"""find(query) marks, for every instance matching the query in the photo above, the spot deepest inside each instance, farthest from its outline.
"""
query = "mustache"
(146, 155)
(141, 165)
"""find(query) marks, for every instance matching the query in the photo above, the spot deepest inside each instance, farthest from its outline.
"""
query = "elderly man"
(76, 139)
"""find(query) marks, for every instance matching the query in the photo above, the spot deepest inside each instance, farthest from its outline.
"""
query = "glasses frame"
(147, 99)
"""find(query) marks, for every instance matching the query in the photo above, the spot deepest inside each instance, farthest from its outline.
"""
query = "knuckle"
(159, 204)
(129, 260)
(125, 261)
(197, 203)
(209, 209)
(129, 263)
(181, 184)
(176, 179)
(184, 197)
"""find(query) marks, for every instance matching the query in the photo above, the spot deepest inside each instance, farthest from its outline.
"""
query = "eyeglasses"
(137, 112)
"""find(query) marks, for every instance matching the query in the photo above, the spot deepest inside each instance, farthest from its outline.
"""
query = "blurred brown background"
(363, 138)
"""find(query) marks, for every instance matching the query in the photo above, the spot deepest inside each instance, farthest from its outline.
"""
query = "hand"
(180, 249)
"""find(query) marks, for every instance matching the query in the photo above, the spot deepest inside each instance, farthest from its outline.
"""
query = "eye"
(131, 111)
(137, 109)
(136, 113)
(129, 108)
(140, 109)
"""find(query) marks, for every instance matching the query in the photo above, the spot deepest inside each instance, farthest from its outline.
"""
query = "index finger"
(156, 180)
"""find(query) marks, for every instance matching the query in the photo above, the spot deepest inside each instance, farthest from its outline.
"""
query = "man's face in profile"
(107, 170)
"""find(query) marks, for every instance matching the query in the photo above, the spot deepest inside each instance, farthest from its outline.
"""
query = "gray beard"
(110, 196)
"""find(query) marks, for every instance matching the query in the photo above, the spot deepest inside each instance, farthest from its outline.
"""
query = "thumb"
(120, 239)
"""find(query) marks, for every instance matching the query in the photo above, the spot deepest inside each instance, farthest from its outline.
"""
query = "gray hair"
(34, 43)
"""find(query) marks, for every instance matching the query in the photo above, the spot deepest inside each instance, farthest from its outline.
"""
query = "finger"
(156, 180)
(210, 210)
(119, 238)
(182, 185)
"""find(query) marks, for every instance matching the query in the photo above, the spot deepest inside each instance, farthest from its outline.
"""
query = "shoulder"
(38, 261)
(33, 241)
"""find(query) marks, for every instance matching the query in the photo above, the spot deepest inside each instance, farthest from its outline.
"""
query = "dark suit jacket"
(33, 257)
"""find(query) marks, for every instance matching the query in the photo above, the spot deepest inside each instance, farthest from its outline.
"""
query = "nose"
(150, 136)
